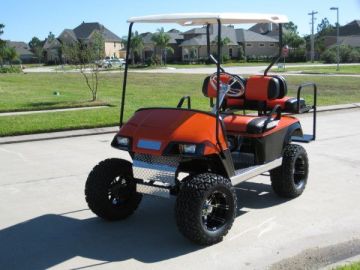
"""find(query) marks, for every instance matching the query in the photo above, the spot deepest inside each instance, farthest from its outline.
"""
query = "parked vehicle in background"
(111, 63)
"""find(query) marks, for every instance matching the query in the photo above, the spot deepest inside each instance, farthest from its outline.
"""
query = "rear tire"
(290, 179)
(110, 192)
(205, 208)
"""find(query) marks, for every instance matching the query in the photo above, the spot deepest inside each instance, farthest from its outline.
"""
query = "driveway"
(45, 222)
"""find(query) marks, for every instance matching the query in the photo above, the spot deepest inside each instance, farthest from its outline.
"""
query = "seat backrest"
(283, 85)
(262, 88)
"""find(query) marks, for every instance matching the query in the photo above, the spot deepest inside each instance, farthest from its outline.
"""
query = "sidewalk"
(106, 130)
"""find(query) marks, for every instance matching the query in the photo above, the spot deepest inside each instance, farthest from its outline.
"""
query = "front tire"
(205, 208)
(110, 191)
(289, 180)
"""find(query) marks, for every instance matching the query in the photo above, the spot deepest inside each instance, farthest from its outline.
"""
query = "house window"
(230, 52)
(261, 45)
(114, 45)
(271, 44)
(248, 45)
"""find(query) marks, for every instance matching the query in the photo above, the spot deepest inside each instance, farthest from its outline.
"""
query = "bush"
(347, 54)
(153, 61)
(225, 58)
(354, 56)
(10, 70)
(329, 56)
(297, 55)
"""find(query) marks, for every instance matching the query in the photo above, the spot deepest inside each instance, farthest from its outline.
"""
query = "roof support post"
(218, 67)
(277, 58)
(208, 41)
(122, 105)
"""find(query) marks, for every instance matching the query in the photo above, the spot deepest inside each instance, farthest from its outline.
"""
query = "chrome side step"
(154, 188)
(250, 172)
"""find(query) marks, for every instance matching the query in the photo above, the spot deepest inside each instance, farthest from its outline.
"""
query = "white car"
(116, 62)
(111, 62)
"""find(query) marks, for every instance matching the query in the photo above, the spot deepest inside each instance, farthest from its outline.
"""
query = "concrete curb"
(342, 263)
(54, 110)
(108, 130)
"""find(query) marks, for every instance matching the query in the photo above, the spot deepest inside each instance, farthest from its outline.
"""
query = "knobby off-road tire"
(205, 208)
(110, 192)
(289, 180)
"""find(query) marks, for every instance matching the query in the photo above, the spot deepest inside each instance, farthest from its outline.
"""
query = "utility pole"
(337, 38)
(312, 34)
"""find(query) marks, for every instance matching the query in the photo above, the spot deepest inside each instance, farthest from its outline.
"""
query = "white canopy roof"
(210, 18)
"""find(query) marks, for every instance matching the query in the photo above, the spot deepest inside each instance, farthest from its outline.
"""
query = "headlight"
(184, 149)
(187, 148)
(122, 141)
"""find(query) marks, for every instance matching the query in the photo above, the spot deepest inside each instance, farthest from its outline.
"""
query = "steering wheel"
(233, 85)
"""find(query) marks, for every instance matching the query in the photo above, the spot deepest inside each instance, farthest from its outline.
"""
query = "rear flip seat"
(286, 103)
(259, 89)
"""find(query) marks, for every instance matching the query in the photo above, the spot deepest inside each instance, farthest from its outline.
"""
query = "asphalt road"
(200, 70)
(44, 220)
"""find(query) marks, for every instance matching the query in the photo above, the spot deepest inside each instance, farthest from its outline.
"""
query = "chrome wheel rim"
(118, 191)
(299, 172)
(215, 211)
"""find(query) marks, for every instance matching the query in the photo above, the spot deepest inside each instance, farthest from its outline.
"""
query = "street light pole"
(337, 39)
(312, 41)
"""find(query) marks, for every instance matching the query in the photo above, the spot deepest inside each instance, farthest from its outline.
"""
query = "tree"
(136, 46)
(324, 27)
(162, 39)
(2, 45)
(85, 55)
(11, 54)
(291, 36)
(36, 46)
(291, 27)
(223, 42)
(51, 36)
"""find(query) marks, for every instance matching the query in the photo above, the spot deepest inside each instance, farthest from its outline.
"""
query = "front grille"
(155, 168)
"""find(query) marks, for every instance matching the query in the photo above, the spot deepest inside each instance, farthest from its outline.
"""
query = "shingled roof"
(350, 29)
(175, 37)
(21, 47)
(250, 36)
(235, 35)
(85, 30)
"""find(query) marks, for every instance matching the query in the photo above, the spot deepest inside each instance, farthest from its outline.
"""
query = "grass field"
(352, 266)
(35, 91)
(348, 69)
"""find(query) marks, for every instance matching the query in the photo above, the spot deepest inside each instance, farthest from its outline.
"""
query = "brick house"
(113, 44)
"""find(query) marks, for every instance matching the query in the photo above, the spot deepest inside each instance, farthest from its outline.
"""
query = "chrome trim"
(155, 168)
(250, 172)
(153, 190)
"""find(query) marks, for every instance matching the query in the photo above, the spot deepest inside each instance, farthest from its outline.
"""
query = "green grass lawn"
(352, 266)
(348, 69)
(35, 91)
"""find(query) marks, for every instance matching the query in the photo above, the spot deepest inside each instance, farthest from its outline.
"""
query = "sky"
(25, 19)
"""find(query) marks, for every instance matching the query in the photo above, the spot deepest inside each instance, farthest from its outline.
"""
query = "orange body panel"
(167, 125)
